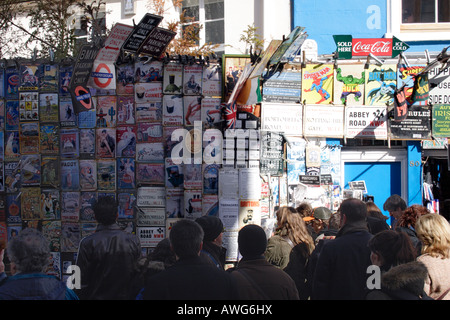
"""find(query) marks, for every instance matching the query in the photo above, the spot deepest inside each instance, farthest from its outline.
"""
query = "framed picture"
(233, 65)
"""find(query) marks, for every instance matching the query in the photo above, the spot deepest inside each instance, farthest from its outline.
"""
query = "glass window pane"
(191, 7)
(444, 11)
(418, 11)
(214, 10)
(214, 31)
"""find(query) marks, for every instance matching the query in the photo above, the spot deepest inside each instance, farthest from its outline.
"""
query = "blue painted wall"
(414, 173)
(359, 18)
(325, 18)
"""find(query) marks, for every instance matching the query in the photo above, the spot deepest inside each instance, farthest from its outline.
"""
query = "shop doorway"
(384, 172)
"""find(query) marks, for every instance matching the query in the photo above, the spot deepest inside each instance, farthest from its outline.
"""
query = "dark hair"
(411, 214)
(186, 238)
(105, 210)
(305, 209)
(163, 253)
(30, 251)
(395, 247)
(393, 203)
(354, 209)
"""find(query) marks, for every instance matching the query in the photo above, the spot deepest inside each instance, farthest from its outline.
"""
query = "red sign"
(377, 47)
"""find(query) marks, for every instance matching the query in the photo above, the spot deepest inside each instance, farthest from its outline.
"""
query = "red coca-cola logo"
(377, 47)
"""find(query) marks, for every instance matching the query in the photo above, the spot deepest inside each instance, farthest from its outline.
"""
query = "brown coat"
(259, 280)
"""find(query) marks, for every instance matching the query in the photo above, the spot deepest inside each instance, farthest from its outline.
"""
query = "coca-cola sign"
(377, 47)
(347, 47)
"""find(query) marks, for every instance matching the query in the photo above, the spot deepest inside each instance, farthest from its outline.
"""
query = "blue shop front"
(413, 163)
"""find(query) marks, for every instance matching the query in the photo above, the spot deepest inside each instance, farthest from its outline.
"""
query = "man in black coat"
(341, 271)
(191, 277)
(108, 258)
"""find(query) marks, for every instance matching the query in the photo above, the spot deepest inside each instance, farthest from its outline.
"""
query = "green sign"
(344, 45)
(441, 120)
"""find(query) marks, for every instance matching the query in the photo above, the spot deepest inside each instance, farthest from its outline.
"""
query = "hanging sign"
(347, 47)
(81, 96)
(103, 74)
(416, 126)
(366, 122)
(441, 120)
(141, 31)
(157, 42)
(323, 121)
(282, 117)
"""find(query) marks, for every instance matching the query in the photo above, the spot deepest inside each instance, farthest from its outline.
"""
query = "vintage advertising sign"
(347, 47)
(150, 236)
(366, 122)
(151, 197)
(441, 120)
(439, 84)
(141, 31)
(285, 117)
(81, 96)
(157, 42)
(103, 75)
(416, 126)
(323, 121)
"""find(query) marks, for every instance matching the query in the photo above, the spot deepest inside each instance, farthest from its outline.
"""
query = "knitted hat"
(252, 241)
(212, 227)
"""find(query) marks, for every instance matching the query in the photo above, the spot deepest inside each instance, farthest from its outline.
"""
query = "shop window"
(209, 14)
(425, 11)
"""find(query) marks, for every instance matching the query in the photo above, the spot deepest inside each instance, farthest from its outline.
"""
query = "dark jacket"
(35, 286)
(403, 282)
(214, 254)
(341, 270)
(291, 259)
(190, 279)
(257, 279)
(108, 263)
(417, 244)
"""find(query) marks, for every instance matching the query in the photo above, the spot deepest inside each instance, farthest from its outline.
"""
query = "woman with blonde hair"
(290, 247)
(433, 231)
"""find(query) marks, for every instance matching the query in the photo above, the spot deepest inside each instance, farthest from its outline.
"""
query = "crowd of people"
(312, 254)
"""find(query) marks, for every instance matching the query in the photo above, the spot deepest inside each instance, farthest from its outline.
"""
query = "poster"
(416, 126)
(49, 139)
(441, 120)
(406, 77)
(366, 122)
(126, 141)
(229, 215)
(349, 84)
(173, 110)
(173, 78)
(249, 212)
(249, 183)
(70, 180)
(151, 197)
(283, 87)
(323, 121)
(126, 173)
(212, 80)
(48, 107)
(106, 107)
(29, 106)
(106, 175)
(192, 204)
(88, 175)
(317, 83)
(282, 117)
(380, 85)
(211, 113)
(192, 79)
(174, 203)
(149, 237)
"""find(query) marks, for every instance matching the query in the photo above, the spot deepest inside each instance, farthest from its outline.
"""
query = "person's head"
(252, 241)
(212, 227)
(290, 224)
(186, 238)
(304, 209)
(390, 248)
(433, 230)
(105, 210)
(335, 221)
(374, 211)
(353, 211)
(411, 214)
(163, 253)
(322, 217)
(394, 205)
(29, 252)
